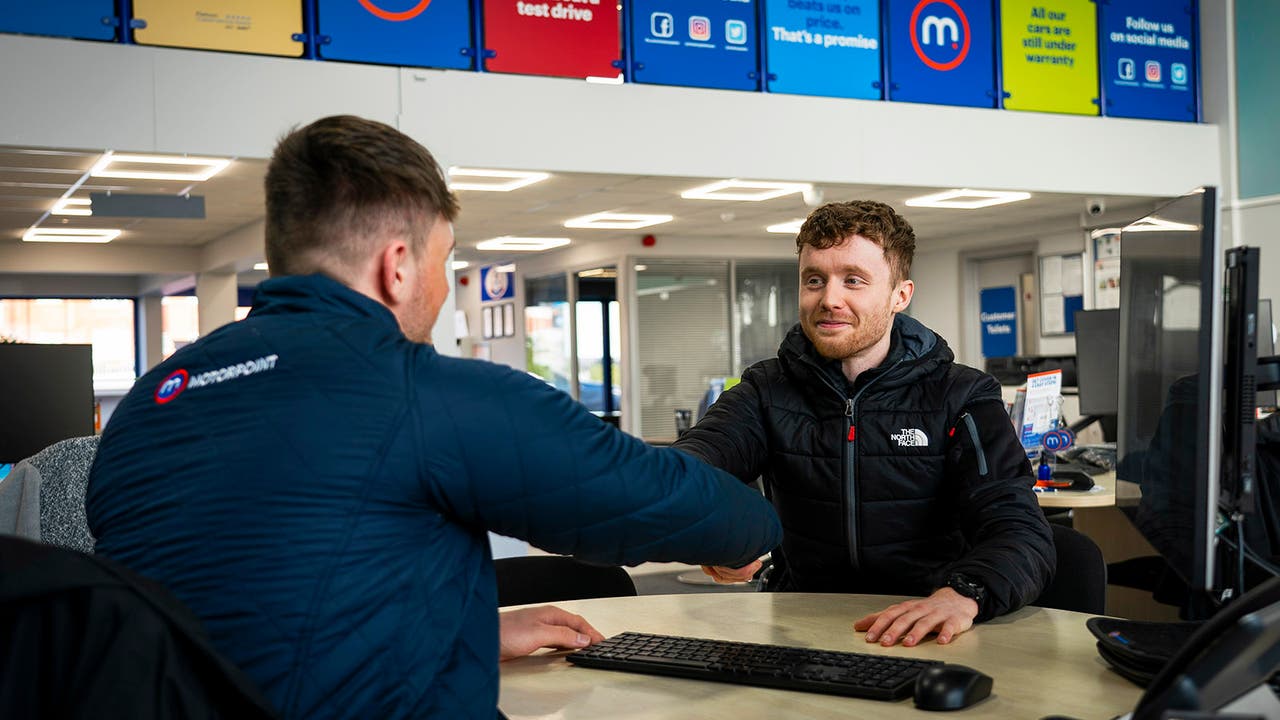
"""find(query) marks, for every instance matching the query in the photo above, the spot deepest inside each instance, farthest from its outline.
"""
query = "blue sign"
(1148, 65)
(86, 19)
(999, 318)
(425, 33)
(942, 52)
(496, 283)
(697, 43)
(823, 47)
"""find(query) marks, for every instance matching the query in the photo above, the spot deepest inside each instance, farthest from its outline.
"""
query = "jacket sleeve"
(1011, 545)
(731, 435)
(533, 464)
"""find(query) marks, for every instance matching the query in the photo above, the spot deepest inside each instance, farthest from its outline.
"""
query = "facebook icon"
(662, 25)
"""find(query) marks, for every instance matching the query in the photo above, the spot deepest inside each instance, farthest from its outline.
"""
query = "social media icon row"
(1127, 69)
(663, 25)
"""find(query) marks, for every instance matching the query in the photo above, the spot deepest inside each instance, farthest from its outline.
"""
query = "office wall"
(508, 351)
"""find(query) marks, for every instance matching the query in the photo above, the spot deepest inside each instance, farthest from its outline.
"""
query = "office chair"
(551, 578)
(43, 497)
(1080, 583)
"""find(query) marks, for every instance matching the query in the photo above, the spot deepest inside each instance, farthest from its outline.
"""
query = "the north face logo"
(911, 437)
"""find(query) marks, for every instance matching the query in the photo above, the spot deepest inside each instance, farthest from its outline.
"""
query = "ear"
(394, 277)
(902, 295)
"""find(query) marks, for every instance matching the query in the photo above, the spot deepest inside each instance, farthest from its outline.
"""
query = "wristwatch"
(968, 587)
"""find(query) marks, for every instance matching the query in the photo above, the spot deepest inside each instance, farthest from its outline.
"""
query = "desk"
(1043, 662)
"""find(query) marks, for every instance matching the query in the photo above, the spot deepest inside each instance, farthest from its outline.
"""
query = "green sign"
(1050, 55)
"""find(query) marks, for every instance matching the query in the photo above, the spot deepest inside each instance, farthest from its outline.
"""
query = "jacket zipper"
(977, 444)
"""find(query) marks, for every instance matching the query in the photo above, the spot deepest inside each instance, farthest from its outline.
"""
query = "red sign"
(567, 38)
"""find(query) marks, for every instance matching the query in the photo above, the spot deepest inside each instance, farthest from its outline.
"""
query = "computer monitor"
(46, 395)
(1098, 361)
(1170, 381)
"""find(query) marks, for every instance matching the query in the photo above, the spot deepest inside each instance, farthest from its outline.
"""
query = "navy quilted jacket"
(318, 490)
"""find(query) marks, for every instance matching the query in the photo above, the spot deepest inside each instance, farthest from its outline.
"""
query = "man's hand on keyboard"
(945, 612)
(727, 575)
(528, 629)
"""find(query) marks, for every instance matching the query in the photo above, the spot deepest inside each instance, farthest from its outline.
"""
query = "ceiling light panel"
(745, 190)
(460, 265)
(485, 180)
(72, 206)
(617, 221)
(787, 228)
(967, 199)
(158, 167)
(521, 244)
(260, 266)
(70, 235)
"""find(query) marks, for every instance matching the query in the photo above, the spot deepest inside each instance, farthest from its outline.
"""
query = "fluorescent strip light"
(617, 221)
(521, 244)
(514, 179)
(973, 199)
(764, 190)
(260, 266)
(70, 235)
(641, 268)
(203, 168)
(791, 227)
(460, 265)
(508, 268)
(598, 80)
(72, 206)
(1155, 224)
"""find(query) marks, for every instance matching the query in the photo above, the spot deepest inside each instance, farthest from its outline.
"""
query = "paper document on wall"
(1040, 414)
(1073, 275)
(1051, 275)
(1052, 319)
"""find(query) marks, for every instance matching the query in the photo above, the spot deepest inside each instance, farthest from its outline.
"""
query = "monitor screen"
(46, 392)
(1266, 347)
(1169, 433)
(1098, 361)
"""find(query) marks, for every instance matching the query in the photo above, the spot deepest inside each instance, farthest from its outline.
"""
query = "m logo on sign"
(910, 437)
(940, 34)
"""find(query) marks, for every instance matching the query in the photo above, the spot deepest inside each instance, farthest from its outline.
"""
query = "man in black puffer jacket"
(894, 469)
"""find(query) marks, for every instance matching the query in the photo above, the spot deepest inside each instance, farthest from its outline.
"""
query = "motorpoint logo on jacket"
(179, 380)
(911, 437)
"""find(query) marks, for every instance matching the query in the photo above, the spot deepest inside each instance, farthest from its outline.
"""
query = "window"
(180, 322)
(546, 330)
(105, 323)
(767, 297)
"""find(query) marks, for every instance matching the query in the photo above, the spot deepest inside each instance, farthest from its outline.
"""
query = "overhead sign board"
(566, 38)
(85, 19)
(1049, 55)
(824, 47)
(1149, 59)
(696, 43)
(424, 33)
(942, 52)
(265, 27)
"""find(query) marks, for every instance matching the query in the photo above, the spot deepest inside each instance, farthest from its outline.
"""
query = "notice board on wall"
(264, 27)
(84, 19)
(942, 52)
(695, 43)
(564, 38)
(1049, 55)
(1149, 59)
(423, 33)
(1061, 292)
(824, 47)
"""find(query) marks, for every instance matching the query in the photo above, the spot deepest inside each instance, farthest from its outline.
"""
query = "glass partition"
(767, 305)
(547, 338)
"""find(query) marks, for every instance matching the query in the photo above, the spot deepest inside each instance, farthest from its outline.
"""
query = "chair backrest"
(550, 578)
(1080, 583)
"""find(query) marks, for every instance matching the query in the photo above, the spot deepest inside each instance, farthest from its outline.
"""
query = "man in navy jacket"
(317, 483)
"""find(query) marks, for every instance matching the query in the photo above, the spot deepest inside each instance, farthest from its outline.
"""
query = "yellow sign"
(265, 27)
(1049, 50)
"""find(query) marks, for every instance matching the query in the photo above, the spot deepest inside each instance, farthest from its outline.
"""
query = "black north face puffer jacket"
(891, 483)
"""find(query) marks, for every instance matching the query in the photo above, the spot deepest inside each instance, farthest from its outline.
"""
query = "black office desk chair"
(1080, 583)
(551, 578)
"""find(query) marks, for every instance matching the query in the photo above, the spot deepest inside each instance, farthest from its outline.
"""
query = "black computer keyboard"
(877, 677)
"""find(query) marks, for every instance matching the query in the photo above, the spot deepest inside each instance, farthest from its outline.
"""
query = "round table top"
(1043, 662)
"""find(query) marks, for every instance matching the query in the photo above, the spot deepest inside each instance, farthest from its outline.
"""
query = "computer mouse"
(950, 687)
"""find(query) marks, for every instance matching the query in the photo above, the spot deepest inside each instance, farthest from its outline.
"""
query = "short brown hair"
(340, 180)
(834, 223)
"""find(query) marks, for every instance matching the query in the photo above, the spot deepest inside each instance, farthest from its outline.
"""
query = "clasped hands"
(946, 612)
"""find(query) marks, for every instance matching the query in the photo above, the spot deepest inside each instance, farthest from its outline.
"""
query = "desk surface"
(1043, 662)
(1103, 494)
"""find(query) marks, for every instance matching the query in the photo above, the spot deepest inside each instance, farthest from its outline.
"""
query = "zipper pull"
(848, 412)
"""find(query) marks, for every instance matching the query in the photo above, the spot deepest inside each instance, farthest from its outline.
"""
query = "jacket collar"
(318, 293)
(914, 351)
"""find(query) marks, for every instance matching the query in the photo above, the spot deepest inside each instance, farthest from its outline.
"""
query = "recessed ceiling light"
(1155, 224)
(967, 199)
(460, 265)
(260, 266)
(70, 235)
(508, 268)
(617, 221)
(521, 244)
(71, 206)
(497, 180)
(641, 268)
(791, 227)
(197, 169)
(745, 190)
